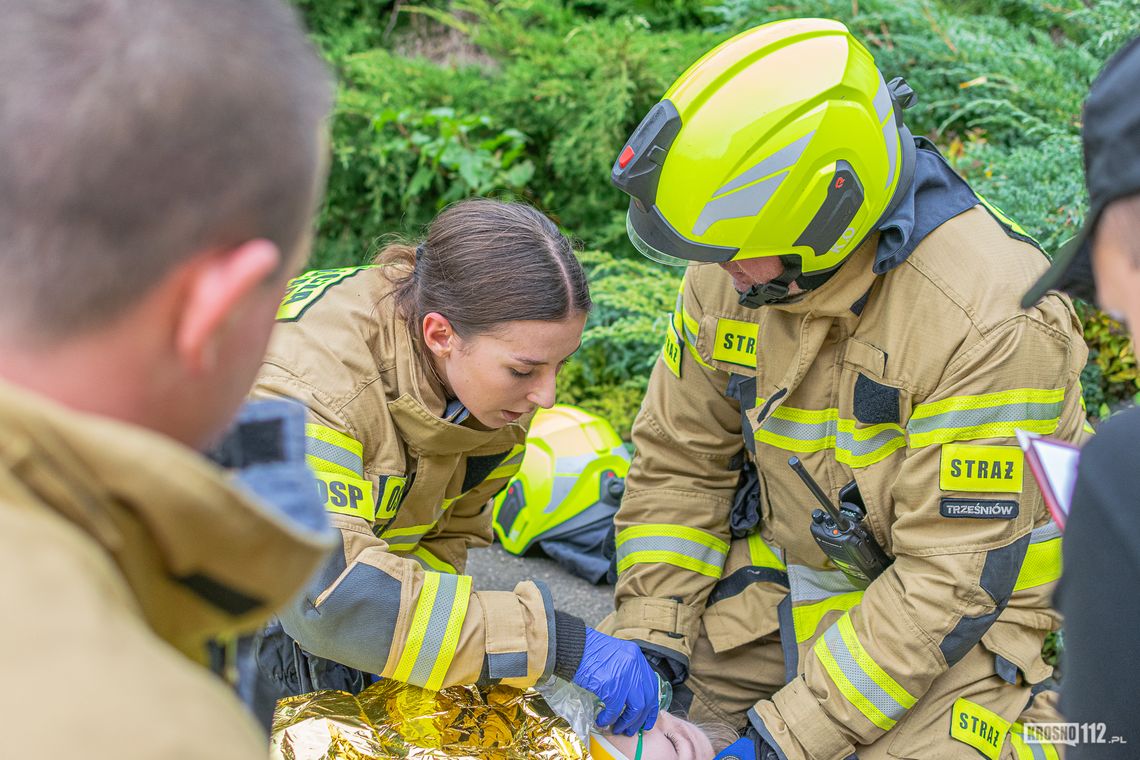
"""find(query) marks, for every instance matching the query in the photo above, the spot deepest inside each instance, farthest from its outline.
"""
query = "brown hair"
(486, 262)
(134, 135)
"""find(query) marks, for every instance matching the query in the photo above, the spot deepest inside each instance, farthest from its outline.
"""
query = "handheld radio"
(840, 532)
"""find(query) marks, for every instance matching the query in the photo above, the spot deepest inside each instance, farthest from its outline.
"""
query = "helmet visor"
(656, 239)
(649, 252)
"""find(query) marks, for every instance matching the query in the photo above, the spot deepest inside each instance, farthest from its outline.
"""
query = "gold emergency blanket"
(394, 720)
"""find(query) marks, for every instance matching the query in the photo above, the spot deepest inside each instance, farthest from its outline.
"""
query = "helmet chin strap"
(778, 289)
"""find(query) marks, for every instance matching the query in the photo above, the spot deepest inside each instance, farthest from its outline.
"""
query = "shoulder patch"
(671, 351)
(302, 292)
(979, 509)
(980, 469)
(735, 342)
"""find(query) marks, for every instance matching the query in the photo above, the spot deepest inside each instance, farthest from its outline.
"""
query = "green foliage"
(633, 301)
(1112, 366)
(410, 164)
(440, 99)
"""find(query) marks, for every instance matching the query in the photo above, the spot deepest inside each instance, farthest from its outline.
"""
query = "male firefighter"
(161, 165)
(863, 319)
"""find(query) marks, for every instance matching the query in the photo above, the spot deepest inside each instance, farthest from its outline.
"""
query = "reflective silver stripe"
(747, 193)
(822, 431)
(967, 418)
(681, 546)
(559, 490)
(330, 452)
(436, 629)
(811, 584)
(1037, 750)
(778, 161)
(574, 465)
(1046, 532)
(516, 459)
(407, 540)
(859, 678)
(882, 101)
(742, 203)
(884, 112)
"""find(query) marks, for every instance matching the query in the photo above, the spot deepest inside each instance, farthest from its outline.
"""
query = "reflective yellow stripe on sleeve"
(807, 617)
(1038, 749)
(861, 680)
(1042, 562)
(686, 329)
(405, 539)
(510, 464)
(989, 415)
(762, 555)
(427, 560)
(434, 633)
(803, 431)
(331, 451)
(677, 545)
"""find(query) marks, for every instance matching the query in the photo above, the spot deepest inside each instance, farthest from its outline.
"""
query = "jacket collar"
(203, 557)
(836, 297)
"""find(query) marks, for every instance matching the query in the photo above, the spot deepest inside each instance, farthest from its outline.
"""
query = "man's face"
(751, 272)
(1115, 267)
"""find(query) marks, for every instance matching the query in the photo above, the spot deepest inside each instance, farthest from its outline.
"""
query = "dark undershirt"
(1099, 593)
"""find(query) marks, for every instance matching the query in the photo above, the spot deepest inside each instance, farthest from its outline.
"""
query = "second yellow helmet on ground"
(783, 141)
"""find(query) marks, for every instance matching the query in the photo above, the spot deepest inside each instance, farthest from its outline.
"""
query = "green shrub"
(1111, 372)
(633, 301)
(408, 165)
(533, 99)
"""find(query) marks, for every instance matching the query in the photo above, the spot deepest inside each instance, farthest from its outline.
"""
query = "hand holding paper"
(1054, 467)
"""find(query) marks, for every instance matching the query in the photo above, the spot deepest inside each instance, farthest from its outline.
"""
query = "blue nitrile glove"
(618, 673)
(749, 747)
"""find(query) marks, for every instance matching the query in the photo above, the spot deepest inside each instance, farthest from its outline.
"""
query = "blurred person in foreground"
(161, 165)
(1098, 594)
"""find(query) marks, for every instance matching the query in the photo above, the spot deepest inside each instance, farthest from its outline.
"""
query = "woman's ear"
(439, 337)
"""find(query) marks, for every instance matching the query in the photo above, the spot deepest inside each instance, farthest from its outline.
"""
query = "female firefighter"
(421, 374)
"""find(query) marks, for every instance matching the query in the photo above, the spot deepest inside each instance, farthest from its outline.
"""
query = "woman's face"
(671, 738)
(507, 373)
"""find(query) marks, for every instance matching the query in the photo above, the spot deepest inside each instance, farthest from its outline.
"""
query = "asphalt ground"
(494, 569)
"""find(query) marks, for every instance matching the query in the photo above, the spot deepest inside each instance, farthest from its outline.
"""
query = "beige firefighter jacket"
(409, 492)
(910, 384)
(123, 554)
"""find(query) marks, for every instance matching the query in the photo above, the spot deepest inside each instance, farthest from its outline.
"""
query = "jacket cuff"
(795, 722)
(569, 644)
(665, 623)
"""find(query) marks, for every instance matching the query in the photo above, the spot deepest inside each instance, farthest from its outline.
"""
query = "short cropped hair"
(134, 134)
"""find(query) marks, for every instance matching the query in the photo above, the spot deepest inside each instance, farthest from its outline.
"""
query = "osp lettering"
(340, 494)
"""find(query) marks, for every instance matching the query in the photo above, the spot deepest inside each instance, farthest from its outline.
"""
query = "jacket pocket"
(742, 606)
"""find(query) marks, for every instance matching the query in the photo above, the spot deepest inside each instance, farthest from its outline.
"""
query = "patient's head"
(671, 738)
